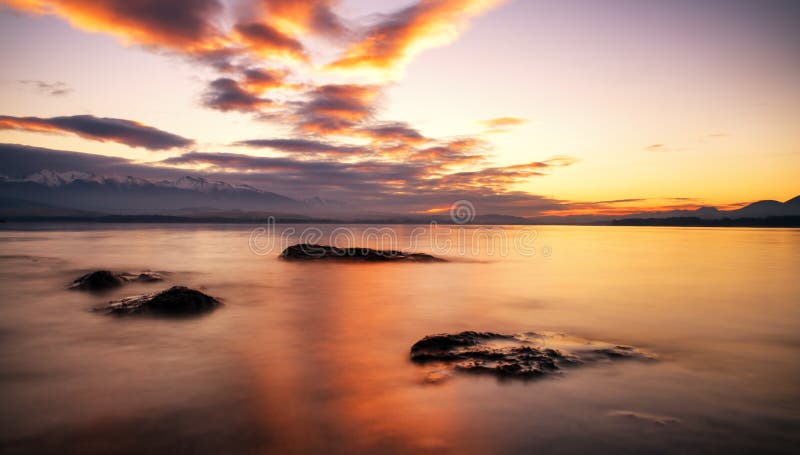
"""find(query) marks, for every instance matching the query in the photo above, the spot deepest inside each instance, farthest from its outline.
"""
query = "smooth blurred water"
(313, 357)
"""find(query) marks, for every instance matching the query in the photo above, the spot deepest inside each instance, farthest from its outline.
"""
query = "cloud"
(50, 88)
(267, 41)
(225, 94)
(22, 160)
(392, 132)
(361, 179)
(502, 124)
(128, 132)
(663, 148)
(337, 108)
(185, 25)
(356, 179)
(498, 179)
(303, 146)
(448, 154)
(400, 35)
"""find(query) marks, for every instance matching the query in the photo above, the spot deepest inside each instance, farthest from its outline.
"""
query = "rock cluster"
(526, 356)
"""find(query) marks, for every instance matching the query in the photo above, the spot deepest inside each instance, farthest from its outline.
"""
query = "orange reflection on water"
(370, 394)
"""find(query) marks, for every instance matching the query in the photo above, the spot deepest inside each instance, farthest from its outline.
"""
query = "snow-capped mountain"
(127, 194)
(200, 184)
(54, 179)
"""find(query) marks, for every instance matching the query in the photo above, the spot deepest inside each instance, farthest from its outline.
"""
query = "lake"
(314, 357)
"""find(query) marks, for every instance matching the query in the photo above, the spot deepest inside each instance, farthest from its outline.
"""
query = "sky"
(522, 107)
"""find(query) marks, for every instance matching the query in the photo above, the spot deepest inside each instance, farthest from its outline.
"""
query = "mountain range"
(74, 194)
(131, 195)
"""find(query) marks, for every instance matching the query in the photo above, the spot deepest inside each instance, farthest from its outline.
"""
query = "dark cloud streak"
(130, 133)
(225, 94)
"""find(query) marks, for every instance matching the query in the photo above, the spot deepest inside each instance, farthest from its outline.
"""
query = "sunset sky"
(524, 107)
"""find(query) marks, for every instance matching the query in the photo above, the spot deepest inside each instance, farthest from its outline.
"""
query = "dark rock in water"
(526, 356)
(102, 280)
(175, 301)
(306, 251)
(97, 281)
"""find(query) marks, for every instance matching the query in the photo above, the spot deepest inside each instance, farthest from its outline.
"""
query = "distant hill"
(767, 213)
(758, 209)
(768, 221)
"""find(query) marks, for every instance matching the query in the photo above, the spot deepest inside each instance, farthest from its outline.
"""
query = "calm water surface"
(313, 358)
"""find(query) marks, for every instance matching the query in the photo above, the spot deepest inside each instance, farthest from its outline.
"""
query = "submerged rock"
(102, 280)
(175, 301)
(307, 251)
(526, 356)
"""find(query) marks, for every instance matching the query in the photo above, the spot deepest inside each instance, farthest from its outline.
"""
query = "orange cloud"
(185, 25)
(502, 124)
(307, 16)
(405, 33)
(453, 153)
(498, 179)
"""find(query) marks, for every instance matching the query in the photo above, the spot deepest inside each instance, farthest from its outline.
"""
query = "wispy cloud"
(56, 88)
(502, 124)
(303, 146)
(399, 36)
(663, 148)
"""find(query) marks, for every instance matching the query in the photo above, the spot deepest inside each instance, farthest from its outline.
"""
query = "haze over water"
(314, 357)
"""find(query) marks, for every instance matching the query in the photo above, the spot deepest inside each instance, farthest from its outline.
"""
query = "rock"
(102, 280)
(97, 281)
(526, 356)
(306, 251)
(175, 301)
